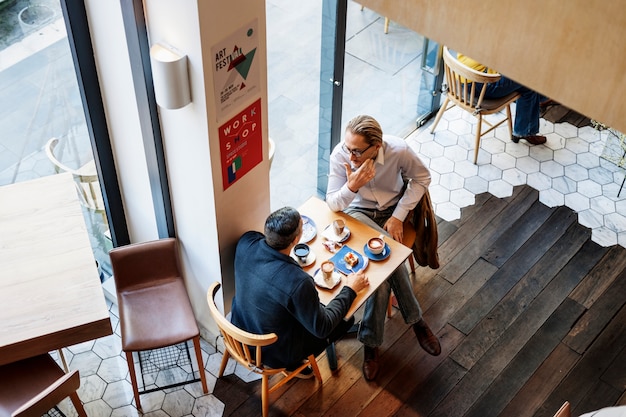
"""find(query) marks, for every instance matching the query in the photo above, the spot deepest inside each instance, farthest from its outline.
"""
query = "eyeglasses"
(356, 152)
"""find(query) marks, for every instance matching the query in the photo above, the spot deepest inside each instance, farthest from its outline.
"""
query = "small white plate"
(309, 230)
(329, 233)
(330, 284)
(309, 259)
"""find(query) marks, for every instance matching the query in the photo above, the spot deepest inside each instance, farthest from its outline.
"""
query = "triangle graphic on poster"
(243, 67)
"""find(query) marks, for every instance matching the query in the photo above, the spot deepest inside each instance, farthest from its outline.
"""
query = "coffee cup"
(327, 268)
(338, 226)
(301, 250)
(376, 245)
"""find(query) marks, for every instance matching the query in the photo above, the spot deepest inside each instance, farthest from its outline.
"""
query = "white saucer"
(329, 233)
(330, 284)
(309, 259)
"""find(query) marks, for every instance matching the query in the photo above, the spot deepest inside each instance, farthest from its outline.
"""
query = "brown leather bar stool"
(155, 311)
(33, 386)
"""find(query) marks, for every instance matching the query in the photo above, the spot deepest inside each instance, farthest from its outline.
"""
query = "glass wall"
(41, 112)
(382, 71)
(372, 65)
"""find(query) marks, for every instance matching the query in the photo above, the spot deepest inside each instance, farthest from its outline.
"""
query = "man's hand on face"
(364, 174)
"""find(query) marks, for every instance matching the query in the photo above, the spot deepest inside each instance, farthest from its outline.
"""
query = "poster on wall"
(236, 74)
(241, 144)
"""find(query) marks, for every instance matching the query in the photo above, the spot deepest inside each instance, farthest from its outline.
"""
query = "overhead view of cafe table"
(377, 270)
(50, 291)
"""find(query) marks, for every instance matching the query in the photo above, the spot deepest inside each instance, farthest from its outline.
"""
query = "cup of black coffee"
(301, 250)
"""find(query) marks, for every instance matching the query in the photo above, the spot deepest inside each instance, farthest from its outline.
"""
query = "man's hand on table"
(357, 281)
(395, 228)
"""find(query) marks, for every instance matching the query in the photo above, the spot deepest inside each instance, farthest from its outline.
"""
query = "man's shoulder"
(395, 144)
(250, 238)
(252, 235)
(395, 140)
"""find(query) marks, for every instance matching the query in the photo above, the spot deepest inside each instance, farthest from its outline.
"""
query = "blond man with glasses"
(378, 180)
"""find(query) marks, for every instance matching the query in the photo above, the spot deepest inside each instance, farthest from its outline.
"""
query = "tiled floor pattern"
(568, 170)
(105, 383)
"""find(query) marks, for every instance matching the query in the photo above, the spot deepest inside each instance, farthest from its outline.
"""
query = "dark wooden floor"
(530, 312)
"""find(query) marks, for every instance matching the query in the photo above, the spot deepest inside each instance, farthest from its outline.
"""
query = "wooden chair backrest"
(240, 344)
(85, 178)
(462, 81)
(564, 411)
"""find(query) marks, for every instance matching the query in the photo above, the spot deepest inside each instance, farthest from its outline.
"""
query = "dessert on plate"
(351, 259)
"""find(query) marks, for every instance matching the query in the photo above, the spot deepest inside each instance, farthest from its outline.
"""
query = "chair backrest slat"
(462, 82)
(240, 344)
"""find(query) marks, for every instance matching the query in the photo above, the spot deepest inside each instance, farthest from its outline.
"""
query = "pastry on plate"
(351, 259)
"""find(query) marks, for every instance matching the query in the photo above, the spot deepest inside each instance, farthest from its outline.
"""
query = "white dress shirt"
(395, 161)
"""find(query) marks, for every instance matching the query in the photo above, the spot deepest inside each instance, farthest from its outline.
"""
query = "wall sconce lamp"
(170, 77)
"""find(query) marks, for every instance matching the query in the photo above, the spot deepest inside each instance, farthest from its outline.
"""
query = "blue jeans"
(372, 325)
(527, 111)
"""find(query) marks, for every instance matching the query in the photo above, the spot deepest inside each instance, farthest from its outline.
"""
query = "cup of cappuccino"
(376, 245)
(328, 267)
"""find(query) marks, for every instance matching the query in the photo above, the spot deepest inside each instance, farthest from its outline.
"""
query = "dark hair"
(367, 127)
(282, 227)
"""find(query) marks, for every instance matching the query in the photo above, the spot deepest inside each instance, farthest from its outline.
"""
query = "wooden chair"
(386, 29)
(33, 386)
(155, 311)
(564, 411)
(461, 81)
(85, 178)
(245, 348)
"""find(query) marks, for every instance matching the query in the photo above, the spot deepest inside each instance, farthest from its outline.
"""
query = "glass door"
(372, 65)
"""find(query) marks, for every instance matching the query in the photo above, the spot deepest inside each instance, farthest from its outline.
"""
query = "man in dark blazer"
(274, 294)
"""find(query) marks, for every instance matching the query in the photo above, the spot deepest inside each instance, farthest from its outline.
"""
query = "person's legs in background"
(527, 111)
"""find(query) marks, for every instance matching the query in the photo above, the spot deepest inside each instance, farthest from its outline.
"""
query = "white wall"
(208, 220)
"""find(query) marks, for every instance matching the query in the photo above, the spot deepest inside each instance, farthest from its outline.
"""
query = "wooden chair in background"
(461, 81)
(33, 386)
(245, 348)
(564, 411)
(386, 29)
(85, 178)
(155, 311)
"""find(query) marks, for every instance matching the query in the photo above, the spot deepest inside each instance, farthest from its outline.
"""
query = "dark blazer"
(274, 294)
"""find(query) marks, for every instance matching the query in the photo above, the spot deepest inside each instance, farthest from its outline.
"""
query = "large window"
(42, 116)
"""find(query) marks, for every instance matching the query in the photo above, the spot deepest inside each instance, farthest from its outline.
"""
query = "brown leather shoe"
(532, 139)
(370, 362)
(426, 338)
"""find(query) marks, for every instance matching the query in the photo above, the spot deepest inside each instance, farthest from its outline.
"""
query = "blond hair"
(367, 127)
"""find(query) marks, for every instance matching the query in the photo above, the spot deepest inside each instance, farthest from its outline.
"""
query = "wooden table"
(50, 291)
(360, 233)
